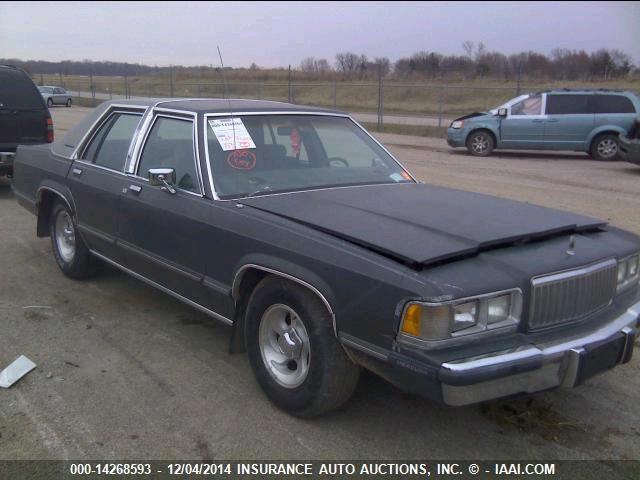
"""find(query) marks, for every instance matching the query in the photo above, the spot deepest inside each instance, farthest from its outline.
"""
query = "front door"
(523, 127)
(166, 237)
(97, 178)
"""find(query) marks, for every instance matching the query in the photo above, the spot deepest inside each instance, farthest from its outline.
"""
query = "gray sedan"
(55, 96)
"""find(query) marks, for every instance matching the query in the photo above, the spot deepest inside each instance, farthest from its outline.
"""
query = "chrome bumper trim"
(559, 364)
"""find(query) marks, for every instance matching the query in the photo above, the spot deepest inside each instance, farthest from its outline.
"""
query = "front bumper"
(456, 137)
(563, 363)
(6, 162)
(629, 149)
(526, 367)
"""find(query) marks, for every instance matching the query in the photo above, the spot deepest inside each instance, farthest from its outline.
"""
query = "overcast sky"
(280, 33)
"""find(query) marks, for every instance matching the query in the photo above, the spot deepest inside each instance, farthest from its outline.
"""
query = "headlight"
(628, 272)
(436, 322)
(457, 124)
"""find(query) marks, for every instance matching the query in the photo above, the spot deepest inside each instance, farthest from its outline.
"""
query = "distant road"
(359, 116)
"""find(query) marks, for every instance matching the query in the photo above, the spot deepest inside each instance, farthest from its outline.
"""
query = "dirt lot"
(125, 371)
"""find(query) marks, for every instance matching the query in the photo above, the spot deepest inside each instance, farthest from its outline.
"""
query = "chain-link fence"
(404, 107)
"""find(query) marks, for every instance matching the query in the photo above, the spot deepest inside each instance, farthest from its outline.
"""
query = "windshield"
(508, 104)
(46, 89)
(262, 154)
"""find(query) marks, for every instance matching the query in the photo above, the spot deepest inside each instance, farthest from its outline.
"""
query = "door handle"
(135, 189)
(77, 172)
(537, 120)
(552, 120)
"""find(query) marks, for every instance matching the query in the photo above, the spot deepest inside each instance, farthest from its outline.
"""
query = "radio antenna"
(225, 94)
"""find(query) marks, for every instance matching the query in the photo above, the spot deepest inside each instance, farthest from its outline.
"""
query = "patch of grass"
(415, 130)
(531, 415)
(417, 97)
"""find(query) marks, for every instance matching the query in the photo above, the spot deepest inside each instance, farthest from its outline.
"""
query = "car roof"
(220, 105)
(570, 91)
(74, 136)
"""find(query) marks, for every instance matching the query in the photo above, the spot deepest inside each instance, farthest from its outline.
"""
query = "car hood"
(476, 115)
(421, 224)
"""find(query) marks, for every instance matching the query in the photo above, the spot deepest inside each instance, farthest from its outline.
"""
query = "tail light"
(49, 130)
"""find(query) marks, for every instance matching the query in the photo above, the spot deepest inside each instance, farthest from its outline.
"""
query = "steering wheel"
(338, 162)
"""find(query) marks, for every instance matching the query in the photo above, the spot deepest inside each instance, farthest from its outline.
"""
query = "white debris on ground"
(14, 372)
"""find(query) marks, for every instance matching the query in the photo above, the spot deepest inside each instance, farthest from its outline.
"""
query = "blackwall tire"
(294, 353)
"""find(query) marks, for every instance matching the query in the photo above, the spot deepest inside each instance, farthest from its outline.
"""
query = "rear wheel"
(293, 351)
(480, 143)
(71, 254)
(68, 104)
(49, 102)
(605, 147)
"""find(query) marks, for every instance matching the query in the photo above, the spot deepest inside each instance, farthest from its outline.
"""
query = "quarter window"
(110, 145)
(528, 106)
(568, 104)
(613, 104)
(170, 145)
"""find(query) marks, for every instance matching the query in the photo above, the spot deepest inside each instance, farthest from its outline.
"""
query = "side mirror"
(502, 112)
(163, 177)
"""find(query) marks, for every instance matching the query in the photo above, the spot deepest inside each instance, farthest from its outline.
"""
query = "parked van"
(24, 117)
(578, 120)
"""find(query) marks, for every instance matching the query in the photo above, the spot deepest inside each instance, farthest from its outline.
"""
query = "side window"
(568, 104)
(613, 104)
(528, 106)
(170, 145)
(110, 145)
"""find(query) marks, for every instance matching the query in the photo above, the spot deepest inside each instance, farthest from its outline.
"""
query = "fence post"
(171, 81)
(440, 99)
(61, 82)
(518, 79)
(335, 95)
(289, 84)
(380, 102)
(41, 80)
(110, 91)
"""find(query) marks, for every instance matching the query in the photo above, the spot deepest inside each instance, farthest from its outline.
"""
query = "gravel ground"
(125, 371)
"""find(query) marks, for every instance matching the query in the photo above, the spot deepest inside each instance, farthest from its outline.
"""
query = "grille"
(568, 296)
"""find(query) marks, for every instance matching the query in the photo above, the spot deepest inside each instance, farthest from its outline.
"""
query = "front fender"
(485, 125)
(286, 269)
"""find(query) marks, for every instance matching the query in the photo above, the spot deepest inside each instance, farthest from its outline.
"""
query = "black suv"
(24, 117)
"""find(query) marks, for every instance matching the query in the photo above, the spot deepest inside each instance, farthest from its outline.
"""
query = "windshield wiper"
(264, 189)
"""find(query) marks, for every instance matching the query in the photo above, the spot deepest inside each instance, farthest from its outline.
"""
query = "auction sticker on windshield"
(231, 133)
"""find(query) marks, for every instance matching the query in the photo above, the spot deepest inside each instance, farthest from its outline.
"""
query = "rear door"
(523, 127)
(97, 178)
(569, 122)
(23, 114)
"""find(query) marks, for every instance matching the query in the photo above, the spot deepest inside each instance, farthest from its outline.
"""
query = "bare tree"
(467, 46)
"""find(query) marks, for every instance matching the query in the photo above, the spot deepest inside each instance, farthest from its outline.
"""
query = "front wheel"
(480, 143)
(293, 351)
(68, 104)
(49, 103)
(72, 255)
(605, 147)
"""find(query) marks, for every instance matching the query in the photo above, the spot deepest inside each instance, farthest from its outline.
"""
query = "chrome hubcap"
(65, 236)
(480, 144)
(284, 345)
(607, 148)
